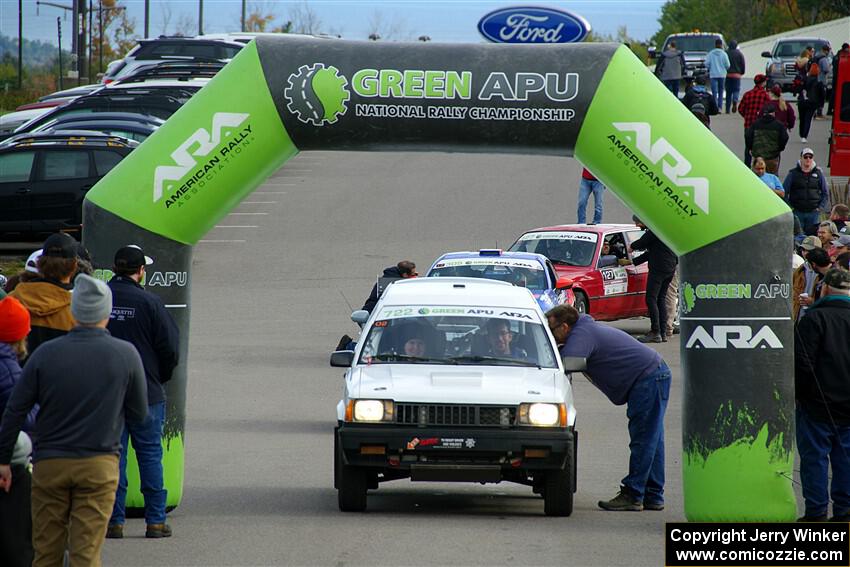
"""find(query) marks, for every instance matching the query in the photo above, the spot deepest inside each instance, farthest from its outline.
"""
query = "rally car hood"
(456, 384)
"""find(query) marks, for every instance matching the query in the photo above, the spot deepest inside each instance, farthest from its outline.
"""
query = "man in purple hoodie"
(629, 373)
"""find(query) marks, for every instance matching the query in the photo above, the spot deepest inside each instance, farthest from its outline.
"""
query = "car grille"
(463, 415)
(790, 69)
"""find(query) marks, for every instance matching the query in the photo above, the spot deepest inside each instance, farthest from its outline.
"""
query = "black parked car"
(44, 177)
(160, 98)
(124, 124)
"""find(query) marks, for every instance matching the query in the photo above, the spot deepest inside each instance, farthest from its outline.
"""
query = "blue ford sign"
(526, 24)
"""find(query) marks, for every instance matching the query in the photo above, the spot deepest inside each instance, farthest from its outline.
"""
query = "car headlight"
(369, 410)
(775, 69)
(543, 415)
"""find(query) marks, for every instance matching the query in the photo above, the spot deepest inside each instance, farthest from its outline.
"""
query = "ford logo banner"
(525, 24)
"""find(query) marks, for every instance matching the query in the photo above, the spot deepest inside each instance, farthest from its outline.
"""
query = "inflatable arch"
(597, 102)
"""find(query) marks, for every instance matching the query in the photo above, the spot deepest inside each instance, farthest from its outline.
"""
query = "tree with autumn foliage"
(743, 20)
(118, 33)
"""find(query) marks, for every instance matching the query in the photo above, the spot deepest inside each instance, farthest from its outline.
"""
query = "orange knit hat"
(14, 320)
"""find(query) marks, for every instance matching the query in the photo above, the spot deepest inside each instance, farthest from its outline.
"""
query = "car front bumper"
(449, 454)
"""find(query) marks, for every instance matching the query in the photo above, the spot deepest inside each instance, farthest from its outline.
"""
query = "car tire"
(558, 488)
(352, 484)
(581, 304)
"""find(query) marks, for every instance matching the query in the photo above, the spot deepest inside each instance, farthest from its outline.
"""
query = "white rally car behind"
(456, 380)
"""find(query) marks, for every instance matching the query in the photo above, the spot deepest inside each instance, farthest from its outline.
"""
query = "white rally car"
(456, 379)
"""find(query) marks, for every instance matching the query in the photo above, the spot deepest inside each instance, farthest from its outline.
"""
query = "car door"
(637, 276)
(615, 301)
(63, 175)
(16, 167)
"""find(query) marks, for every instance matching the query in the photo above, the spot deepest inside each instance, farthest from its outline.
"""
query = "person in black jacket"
(806, 191)
(698, 93)
(402, 270)
(766, 138)
(822, 383)
(140, 318)
(662, 266)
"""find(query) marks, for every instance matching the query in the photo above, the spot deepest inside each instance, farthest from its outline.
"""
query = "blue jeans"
(821, 444)
(807, 219)
(717, 90)
(147, 442)
(646, 406)
(673, 86)
(733, 89)
(584, 190)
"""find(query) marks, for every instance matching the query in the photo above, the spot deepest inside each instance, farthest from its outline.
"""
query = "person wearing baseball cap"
(140, 318)
(85, 383)
(821, 360)
(47, 295)
(751, 105)
(839, 246)
(767, 137)
(806, 191)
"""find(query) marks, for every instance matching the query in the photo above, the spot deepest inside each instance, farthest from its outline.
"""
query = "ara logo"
(199, 144)
(676, 167)
(736, 336)
(317, 94)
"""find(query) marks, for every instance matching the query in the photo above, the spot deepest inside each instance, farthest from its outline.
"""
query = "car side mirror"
(766, 54)
(574, 363)
(342, 358)
(653, 52)
(563, 283)
(360, 316)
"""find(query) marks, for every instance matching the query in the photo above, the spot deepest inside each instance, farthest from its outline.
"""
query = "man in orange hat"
(16, 534)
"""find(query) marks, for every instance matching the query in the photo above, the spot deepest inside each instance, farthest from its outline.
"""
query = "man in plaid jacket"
(750, 106)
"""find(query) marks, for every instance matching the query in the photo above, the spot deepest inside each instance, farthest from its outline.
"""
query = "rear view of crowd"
(82, 364)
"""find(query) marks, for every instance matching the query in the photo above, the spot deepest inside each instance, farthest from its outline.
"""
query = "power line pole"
(200, 17)
(147, 18)
(100, 35)
(20, 43)
(59, 32)
(243, 15)
(91, 31)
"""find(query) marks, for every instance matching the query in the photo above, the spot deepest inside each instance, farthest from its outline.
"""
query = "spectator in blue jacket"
(717, 63)
(140, 318)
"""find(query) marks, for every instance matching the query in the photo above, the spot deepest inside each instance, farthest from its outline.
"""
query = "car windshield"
(570, 248)
(458, 335)
(524, 273)
(694, 43)
(795, 47)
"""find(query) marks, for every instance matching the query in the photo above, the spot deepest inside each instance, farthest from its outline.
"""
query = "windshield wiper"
(479, 358)
(393, 356)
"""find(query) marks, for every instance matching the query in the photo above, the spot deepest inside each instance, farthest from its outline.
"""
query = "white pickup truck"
(455, 379)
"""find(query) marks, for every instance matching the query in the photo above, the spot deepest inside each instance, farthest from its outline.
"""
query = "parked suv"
(456, 380)
(44, 177)
(780, 69)
(174, 49)
(695, 46)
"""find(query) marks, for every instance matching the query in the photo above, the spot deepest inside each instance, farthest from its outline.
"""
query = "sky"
(441, 20)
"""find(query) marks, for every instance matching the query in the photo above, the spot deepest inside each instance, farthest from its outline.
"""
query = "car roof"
(74, 138)
(595, 228)
(156, 84)
(457, 291)
(516, 255)
(113, 117)
(191, 39)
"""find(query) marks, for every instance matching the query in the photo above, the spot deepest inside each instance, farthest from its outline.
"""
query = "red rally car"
(606, 283)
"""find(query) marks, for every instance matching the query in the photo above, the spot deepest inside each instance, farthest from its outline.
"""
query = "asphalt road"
(272, 289)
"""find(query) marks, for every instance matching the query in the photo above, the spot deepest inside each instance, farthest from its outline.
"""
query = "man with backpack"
(698, 94)
(767, 137)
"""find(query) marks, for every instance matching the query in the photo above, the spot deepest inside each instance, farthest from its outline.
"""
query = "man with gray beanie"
(86, 382)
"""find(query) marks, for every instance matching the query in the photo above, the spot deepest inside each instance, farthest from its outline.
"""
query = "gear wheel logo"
(317, 94)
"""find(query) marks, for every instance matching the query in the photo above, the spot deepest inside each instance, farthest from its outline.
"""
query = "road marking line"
(734, 318)
(177, 305)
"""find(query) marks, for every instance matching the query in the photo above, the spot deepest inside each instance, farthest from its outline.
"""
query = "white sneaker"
(803, 140)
